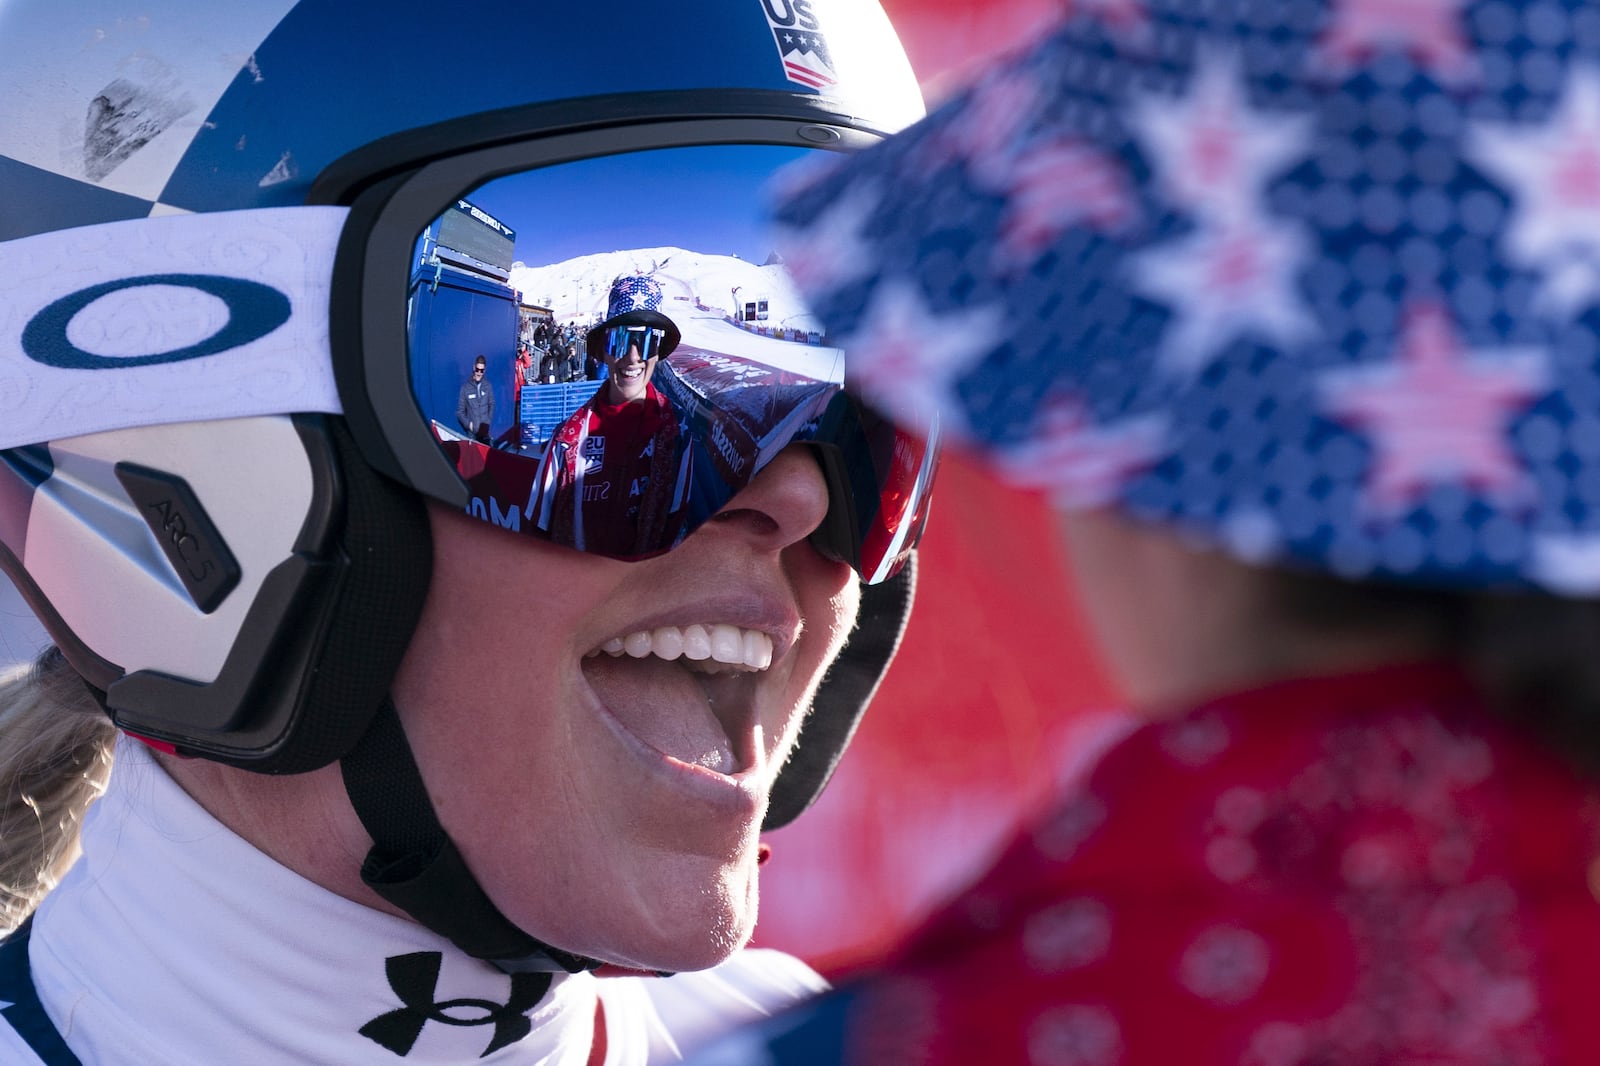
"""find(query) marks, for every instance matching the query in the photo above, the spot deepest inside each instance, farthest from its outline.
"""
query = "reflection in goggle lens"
(543, 276)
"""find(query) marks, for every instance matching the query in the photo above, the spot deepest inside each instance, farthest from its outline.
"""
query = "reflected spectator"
(526, 374)
(550, 368)
(475, 404)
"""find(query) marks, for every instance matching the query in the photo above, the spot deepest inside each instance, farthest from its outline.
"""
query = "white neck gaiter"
(174, 941)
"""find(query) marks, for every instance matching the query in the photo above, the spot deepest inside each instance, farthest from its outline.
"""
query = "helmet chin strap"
(415, 865)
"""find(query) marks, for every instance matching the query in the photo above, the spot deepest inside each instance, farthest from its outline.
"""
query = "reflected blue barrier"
(544, 407)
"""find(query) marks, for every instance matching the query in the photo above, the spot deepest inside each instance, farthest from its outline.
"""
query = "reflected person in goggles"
(696, 402)
(613, 479)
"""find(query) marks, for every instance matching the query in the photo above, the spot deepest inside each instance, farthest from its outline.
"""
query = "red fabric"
(597, 1049)
(631, 451)
(950, 42)
(524, 372)
(995, 686)
(1359, 870)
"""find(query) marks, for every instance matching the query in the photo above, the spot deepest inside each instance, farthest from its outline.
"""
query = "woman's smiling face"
(605, 779)
(628, 375)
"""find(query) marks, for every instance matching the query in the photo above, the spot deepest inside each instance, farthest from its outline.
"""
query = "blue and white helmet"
(211, 468)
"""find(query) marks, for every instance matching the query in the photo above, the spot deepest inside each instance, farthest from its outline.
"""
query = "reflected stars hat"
(1316, 282)
(634, 300)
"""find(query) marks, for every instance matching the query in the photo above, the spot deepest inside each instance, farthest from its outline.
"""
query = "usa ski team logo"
(593, 454)
(801, 46)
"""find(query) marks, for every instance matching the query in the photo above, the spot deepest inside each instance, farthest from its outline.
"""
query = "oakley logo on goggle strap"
(648, 340)
(111, 320)
(254, 310)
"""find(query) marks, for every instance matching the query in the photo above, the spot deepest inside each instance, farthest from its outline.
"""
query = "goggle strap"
(271, 268)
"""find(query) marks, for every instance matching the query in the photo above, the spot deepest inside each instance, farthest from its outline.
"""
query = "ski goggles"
(618, 339)
(427, 252)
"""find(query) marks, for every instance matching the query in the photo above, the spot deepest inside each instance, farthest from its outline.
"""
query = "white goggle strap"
(182, 318)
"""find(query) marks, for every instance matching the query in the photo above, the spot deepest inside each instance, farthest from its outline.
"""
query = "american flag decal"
(801, 45)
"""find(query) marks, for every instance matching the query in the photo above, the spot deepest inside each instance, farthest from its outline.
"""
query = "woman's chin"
(696, 936)
(700, 950)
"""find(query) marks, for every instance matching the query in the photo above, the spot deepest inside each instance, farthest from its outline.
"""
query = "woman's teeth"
(707, 649)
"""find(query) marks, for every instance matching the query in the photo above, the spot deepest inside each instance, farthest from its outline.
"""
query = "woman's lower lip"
(736, 793)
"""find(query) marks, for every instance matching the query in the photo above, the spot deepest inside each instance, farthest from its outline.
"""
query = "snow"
(707, 331)
(577, 288)
(698, 288)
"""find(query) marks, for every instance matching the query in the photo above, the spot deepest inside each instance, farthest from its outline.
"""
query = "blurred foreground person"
(387, 774)
(1293, 307)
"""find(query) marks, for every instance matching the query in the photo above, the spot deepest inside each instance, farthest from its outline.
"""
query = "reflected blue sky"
(708, 199)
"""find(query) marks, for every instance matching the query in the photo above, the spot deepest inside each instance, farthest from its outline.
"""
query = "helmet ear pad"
(843, 695)
(319, 648)
(387, 544)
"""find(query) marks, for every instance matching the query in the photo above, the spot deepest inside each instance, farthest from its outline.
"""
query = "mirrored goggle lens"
(545, 272)
(621, 338)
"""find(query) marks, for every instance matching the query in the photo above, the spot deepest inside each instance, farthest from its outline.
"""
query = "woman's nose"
(783, 504)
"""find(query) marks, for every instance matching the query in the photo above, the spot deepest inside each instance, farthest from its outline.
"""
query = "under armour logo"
(415, 979)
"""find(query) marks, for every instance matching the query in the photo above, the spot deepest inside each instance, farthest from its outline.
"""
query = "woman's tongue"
(663, 705)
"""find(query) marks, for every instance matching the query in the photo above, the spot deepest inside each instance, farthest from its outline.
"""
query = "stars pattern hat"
(634, 300)
(1316, 281)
